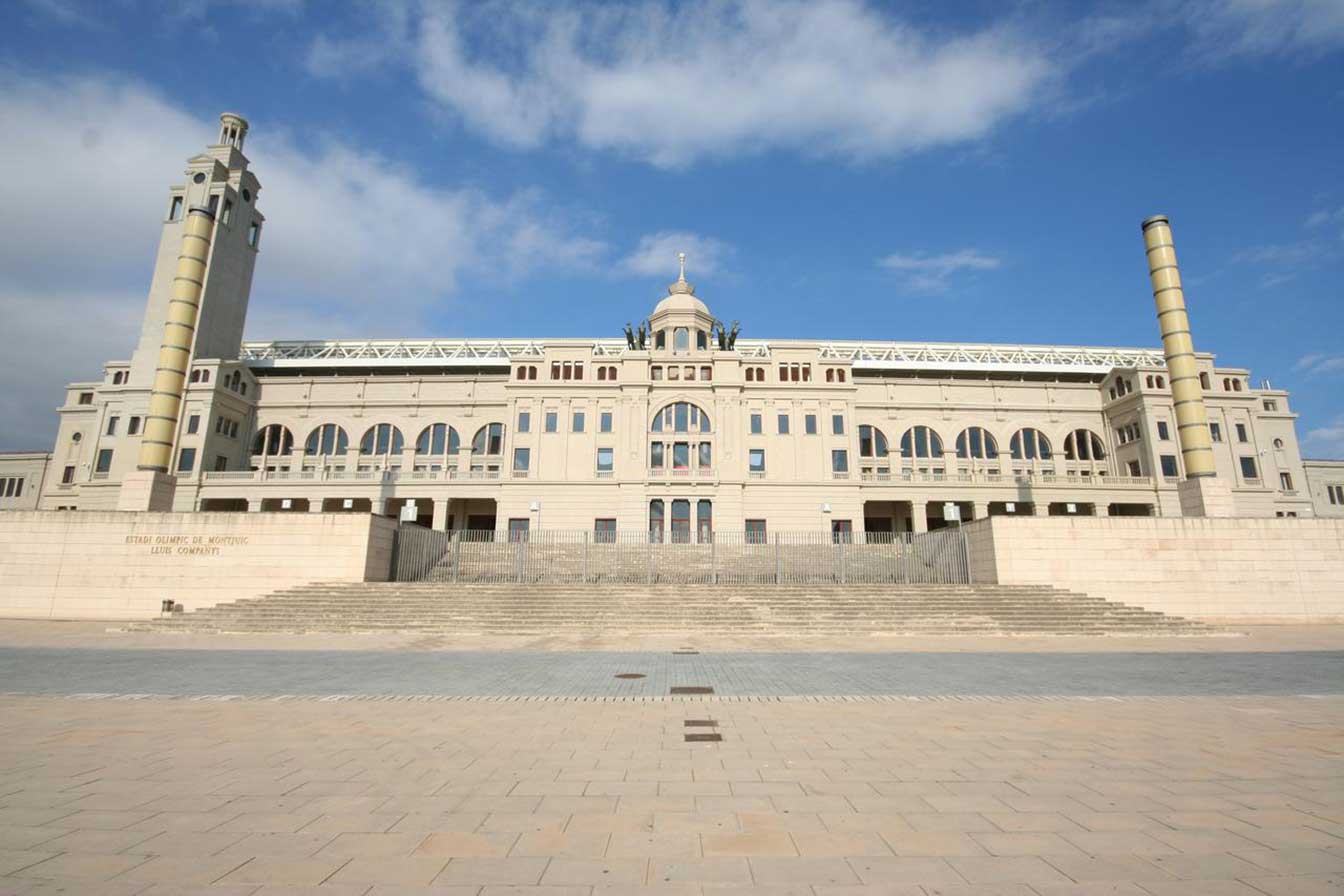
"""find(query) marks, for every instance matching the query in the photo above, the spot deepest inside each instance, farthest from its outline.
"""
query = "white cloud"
(673, 84)
(1264, 27)
(350, 236)
(933, 273)
(1326, 441)
(1319, 363)
(656, 254)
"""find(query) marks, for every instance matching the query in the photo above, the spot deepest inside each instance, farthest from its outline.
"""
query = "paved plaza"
(1014, 767)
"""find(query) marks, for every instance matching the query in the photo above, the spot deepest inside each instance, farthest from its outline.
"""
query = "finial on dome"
(681, 287)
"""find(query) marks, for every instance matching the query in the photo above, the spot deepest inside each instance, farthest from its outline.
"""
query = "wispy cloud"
(1325, 441)
(671, 84)
(1319, 363)
(656, 254)
(1231, 28)
(933, 273)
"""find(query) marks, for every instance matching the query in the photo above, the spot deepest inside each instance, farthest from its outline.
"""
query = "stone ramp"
(774, 610)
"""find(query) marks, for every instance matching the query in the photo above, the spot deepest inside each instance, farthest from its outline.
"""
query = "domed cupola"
(681, 322)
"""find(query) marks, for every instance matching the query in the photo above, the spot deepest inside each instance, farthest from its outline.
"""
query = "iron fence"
(557, 556)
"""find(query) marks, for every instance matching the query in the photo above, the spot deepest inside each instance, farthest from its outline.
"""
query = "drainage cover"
(698, 689)
(685, 653)
(702, 738)
(700, 723)
(630, 675)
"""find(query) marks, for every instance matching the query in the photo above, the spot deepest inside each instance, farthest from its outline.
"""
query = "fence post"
(456, 548)
(713, 560)
(648, 561)
(518, 559)
(585, 557)
(966, 556)
(778, 568)
(842, 561)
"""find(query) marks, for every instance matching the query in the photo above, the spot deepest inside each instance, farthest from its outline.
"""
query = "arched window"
(701, 340)
(872, 442)
(327, 439)
(205, 376)
(1204, 381)
(522, 373)
(751, 374)
(840, 376)
(1236, 385)
(920, 441)
(532, 371)
(601, 373)
(681, 417)
(611, 373)
(681, 521)
(437, 440)
(977, 442)
(681, 340)
(384, 438)
(1030, 444)
(830, 374)
(1161, 383)
(1150, 381)
(273, 439)
(489, 439)
(195, 376)
(1083, 444)
(704, 520)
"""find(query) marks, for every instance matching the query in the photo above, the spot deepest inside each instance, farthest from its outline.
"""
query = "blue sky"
(833, 169)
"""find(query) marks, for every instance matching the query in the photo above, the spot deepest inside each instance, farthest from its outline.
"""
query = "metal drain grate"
(696, 689)
(703, 738)
(630, 675)
(700, 723)
(685, 653)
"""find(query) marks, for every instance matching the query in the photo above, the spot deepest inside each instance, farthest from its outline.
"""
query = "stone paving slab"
(815, 796)
(595, 674)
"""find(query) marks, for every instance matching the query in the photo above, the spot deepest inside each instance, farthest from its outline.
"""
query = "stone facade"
(115, 565)
(1325, 485)
(21, 476)
(1244, 570)
(678, 426)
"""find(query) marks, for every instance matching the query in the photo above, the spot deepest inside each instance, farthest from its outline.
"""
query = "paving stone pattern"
(1012, 797)
(594, 673)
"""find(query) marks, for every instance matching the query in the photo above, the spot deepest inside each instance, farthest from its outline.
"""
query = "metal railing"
(576, 556)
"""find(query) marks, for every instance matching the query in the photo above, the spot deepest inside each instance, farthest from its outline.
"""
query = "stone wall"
(1253, 570)
(118, 565)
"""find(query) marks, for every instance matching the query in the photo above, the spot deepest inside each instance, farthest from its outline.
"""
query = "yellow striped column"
(1192, 421)
(165, 399)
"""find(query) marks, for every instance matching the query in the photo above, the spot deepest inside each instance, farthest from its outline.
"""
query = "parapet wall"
(1248, 570)
(119, 565)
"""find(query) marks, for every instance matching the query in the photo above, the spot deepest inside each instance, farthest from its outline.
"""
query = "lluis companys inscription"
(188, 545)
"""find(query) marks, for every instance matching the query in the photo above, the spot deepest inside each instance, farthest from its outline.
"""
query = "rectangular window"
(226, 216)
(604, 421)
(193, 424)
(578, 422)
(104, 461)
(1336, 493)
(221, 463)
(681, 456)
(133, 426)
(656, 455)
(756, 460)
(214, 203)
(755, 531)
(67, 476)
(175, 208)
(1286, 482)
(838, 424)
(253, 234)
(86, 398)
(1135, 469)
(112, 425)
(1248, 470)
(783, 424)
(1215, 432)
(18, 488)
(552, 421)
(842, 531)
(1241, 433)
(706, 373)
(1163, 431)
(1271, 405)
(518, 529)
(522, 459)
(186, 460)
(604, 531)
(605, 459)
(1169, 468)
(524, 421)
(839, 461)
(755, 424)
(706, 456)
(810, 424)
(655, 373)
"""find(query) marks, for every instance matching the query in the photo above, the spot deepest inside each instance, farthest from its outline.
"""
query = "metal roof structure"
(913, 356)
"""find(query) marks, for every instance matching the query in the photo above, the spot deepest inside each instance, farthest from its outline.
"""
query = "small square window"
(221, 463)
(605, 459)
(756, 460)
(522, 459)
(67, 476)
(839, 461)
(86, 398)
(1169, 468)
(1248, 468)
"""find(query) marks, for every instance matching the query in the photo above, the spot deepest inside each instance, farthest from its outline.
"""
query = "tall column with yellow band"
(165, 399)
(1192, 421)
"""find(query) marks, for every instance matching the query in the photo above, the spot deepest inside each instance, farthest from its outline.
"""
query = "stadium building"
(679, 425)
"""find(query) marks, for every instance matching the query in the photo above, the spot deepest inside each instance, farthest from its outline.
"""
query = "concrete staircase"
(816, 610)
